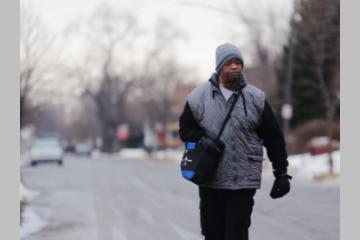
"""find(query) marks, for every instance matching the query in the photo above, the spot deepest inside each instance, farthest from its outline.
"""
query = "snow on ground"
(304, 165)
(24, 158)
(139, 153)
(170, 154)
(308, 166)
(300, 166)
(130, 153)
(31, 222)
(27, 194)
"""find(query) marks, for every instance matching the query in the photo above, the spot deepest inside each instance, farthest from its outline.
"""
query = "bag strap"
(228, 115)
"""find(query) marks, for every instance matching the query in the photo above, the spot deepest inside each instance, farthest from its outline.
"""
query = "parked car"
(70, 148)
(84, 149)
(46, 149)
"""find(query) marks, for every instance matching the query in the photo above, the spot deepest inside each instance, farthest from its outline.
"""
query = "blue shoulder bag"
(200, 159)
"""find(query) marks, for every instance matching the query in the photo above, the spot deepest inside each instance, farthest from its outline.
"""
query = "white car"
(84, 149)
(46, 149)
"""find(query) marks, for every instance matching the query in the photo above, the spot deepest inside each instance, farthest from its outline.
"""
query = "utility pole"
(287, 108)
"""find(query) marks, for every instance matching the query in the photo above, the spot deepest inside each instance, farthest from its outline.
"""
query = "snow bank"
(31, 223)
(26, 194)
(302, 165)
(139, 153)
(308, 166)
(131, 153)
(24, 158)
(30, 220)
(169, 154)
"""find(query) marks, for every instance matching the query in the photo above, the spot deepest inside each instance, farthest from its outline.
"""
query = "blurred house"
(320, 145)
(301, 138)
(171, 137)
(168, 136)
(182, 91)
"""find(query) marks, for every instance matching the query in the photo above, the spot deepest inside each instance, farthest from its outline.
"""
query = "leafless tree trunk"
(266, 36)
(107, 31)
(150, 80)
(34, 45)
(161, 74)
(322, 18)
(290, 70)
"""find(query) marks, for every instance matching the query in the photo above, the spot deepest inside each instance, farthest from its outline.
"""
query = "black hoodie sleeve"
(189, 129)
(273, 140)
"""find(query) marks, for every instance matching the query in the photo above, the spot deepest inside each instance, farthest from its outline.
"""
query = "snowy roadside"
(161, 155)
(315, 167)
(303, 166)
(30, 221)
(24, 159)
(26, 194)
(307, 165)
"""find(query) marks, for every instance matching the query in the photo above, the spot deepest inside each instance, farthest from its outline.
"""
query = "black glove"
(211, 145)
(281, 186)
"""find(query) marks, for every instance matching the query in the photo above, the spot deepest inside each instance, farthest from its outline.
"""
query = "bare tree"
(34, 45)
(265, 33)
(160, 100)
(149, 78)
(289, 74)
(161, 73)
(107, 32)
(81, 122)
(50, 118)
(320, 29)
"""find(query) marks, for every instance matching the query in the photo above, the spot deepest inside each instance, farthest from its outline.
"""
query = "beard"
(231, 80)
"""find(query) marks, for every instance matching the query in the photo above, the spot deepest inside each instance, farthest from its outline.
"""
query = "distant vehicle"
(70, 148)
(84, 149)
(46, 149)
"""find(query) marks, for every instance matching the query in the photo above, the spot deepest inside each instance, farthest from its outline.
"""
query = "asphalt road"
(106, 199)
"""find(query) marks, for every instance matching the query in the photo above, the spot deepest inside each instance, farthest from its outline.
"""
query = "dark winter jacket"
(252, 125)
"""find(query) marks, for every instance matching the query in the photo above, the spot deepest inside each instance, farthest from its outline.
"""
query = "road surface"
(123, 199)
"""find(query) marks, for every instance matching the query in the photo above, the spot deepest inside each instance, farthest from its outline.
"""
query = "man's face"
(231, 70)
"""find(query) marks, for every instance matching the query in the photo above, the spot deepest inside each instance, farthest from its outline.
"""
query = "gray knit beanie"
(224, 53)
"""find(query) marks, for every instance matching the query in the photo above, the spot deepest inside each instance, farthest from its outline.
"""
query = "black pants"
(226, 214)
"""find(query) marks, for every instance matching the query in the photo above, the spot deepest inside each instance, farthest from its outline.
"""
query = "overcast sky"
(204, 28)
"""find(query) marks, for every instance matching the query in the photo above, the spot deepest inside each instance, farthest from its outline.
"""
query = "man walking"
(227, 199)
